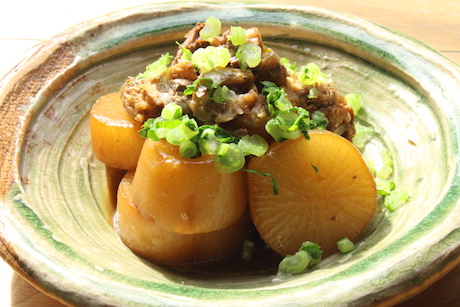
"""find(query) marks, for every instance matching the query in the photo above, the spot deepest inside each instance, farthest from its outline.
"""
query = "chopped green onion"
(222, 94)
(205, 59)
(295, 264)
(209, 142)
(311, 74)
(289, 125)
(249, 55)
(387, 157)
(274, 181)
(345, 246)
(314, 250)
(291, 68)
(363, 135)
(179, 134)
(385, 172)
(188, 149)
(315, 168)
(288, 122)
(253, 145)
(186, 53)
(171, 111)
(237, 36)
(211, 137)
(204, 86)
(308, 255)
(313, 93)
(384, 186)
(155, 69)
(209, 147)
(229, 158)
(318, 120)
(195, 141)
(395, 199)
(355, 102)
(211, 29)
(276, 97)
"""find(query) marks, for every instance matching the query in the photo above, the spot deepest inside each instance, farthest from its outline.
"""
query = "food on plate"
(186, 196)
(206, 71)
(326, 193)
(228, 127)
(114, 134)
(145, 237)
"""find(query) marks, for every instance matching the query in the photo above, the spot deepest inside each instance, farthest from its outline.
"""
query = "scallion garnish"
(288, 122)
(385, 171)
(276, 97)
(205, 59)
(345, 245)
(291, 67)
(203, 86)
(313, 93)
(212, 28)
(253, 145)
(395, 199)
(311, 74)
(237, 36)
(248, 55)
(229, 158)
(355, 102)
(193, 140)
(363, 134)
(384, 186)
(318, 120)
(171, 111)
(186, 53)
(155, 69)
(308, 255)
(274, 181)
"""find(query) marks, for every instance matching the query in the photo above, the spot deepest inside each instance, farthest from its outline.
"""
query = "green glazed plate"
(55, 214)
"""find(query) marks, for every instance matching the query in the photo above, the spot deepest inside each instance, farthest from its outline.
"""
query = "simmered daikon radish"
(326, 193)
(144, 237)
(186, 195)
(114, 134)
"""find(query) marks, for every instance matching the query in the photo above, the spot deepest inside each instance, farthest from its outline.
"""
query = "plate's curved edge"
(9, 256)
(414, 291)
(8, 252)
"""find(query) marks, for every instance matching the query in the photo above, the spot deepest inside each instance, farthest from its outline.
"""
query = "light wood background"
(24, 23)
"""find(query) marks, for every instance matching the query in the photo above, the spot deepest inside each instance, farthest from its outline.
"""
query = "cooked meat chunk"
(270, 69)
(244, 109)
(329, 101)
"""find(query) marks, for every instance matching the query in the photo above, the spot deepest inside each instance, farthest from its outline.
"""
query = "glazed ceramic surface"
(56, 211)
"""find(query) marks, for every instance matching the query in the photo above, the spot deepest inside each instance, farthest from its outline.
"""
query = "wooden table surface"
(24, 23)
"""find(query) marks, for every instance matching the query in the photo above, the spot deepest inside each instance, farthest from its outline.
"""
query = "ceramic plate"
(55, 217)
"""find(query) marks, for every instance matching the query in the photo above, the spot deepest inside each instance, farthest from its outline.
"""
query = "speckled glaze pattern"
(55, 214)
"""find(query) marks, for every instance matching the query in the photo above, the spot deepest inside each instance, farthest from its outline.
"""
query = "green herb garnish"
(206, 86)
(288, 122)
(274, 181)
(193, 140)
(211, 29)
(311, 74)
(248, 55)
(308, 255)
(355, 102)
(206, 59)
(155, 69)
(237, 36)
(345, 246)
